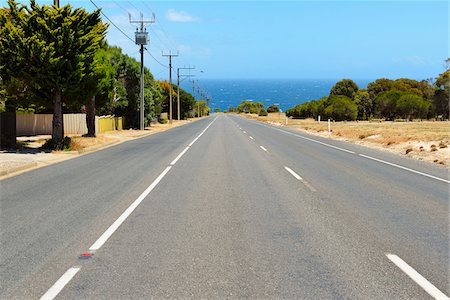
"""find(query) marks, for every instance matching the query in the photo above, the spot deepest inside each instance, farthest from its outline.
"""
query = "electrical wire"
(121, 31)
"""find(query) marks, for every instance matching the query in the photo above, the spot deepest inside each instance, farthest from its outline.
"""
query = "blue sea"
(288, 93)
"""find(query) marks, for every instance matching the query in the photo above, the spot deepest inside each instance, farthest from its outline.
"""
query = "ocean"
(288, 93)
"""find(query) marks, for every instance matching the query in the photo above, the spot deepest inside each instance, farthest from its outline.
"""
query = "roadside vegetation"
(57, 60)
(385, 99)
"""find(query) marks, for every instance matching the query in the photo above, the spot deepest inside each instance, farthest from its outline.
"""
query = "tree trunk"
(90, 117)
(57, 123)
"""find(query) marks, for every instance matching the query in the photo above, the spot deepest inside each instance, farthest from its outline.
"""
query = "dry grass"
(427, 140)
(79, 143)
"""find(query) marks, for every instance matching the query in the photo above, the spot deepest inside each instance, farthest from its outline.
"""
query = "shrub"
(262, 112)
(273, 108)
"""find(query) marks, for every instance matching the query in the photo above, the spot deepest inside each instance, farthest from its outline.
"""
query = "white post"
(329, 125)
(287, 119)
(318, 119)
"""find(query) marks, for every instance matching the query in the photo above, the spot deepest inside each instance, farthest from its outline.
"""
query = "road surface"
(227, 208)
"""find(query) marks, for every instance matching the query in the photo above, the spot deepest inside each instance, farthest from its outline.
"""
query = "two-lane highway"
(227, 207)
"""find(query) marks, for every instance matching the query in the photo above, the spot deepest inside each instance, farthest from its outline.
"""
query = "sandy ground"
(31, 156)
(427, 140)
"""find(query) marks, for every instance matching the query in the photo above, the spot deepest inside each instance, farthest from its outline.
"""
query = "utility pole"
(56, 3)
(178, 84)
(170, 55)
(193, 95)
(142, 39)
(199, 97)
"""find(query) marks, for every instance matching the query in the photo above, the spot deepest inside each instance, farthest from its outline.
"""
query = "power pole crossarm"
(142, 39)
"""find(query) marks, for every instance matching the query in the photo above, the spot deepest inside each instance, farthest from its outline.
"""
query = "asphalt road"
(227, 208)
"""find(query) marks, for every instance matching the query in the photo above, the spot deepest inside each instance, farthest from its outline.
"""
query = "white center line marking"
(70, 273)
(244, 131)
(60, 284)
(179, 156)
(251, 138)
(293, 173)
(264, 149)
(404, 168)
(107, 234)
(419, 279)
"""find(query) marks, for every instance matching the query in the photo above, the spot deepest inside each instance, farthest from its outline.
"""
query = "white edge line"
(107, 234)
(293, 173)
(179, 156)
(192, 143)
(263, 148)
(419, 279)
(313, 140)
(404, 168)
(362, 155)
(60, 284)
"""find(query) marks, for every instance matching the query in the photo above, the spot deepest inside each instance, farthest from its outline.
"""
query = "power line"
(121, 31)
(110, 21)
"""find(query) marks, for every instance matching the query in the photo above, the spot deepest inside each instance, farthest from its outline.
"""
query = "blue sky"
(292, 39)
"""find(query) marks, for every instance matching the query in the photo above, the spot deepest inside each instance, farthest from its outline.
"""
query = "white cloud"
(179, 16)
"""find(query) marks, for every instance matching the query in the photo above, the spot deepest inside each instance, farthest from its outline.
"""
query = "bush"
(262, 113)
(341, 108)
(273, 108)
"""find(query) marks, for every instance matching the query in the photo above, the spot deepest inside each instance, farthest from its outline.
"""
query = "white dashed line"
(264, 149)
(306, 183)
(244, 131)
(293, 173)
(361, 155)
(251, 138)
(419, 279)
(60, 284)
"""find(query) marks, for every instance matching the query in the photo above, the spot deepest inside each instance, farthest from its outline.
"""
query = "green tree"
(341, 108)
(262, 112)
(441, 97)
(273, 108)
(412, 106)
(204, 109)
(49, 49)
(385, 104)
(345, 87)
(365, 105)
(247, 106)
